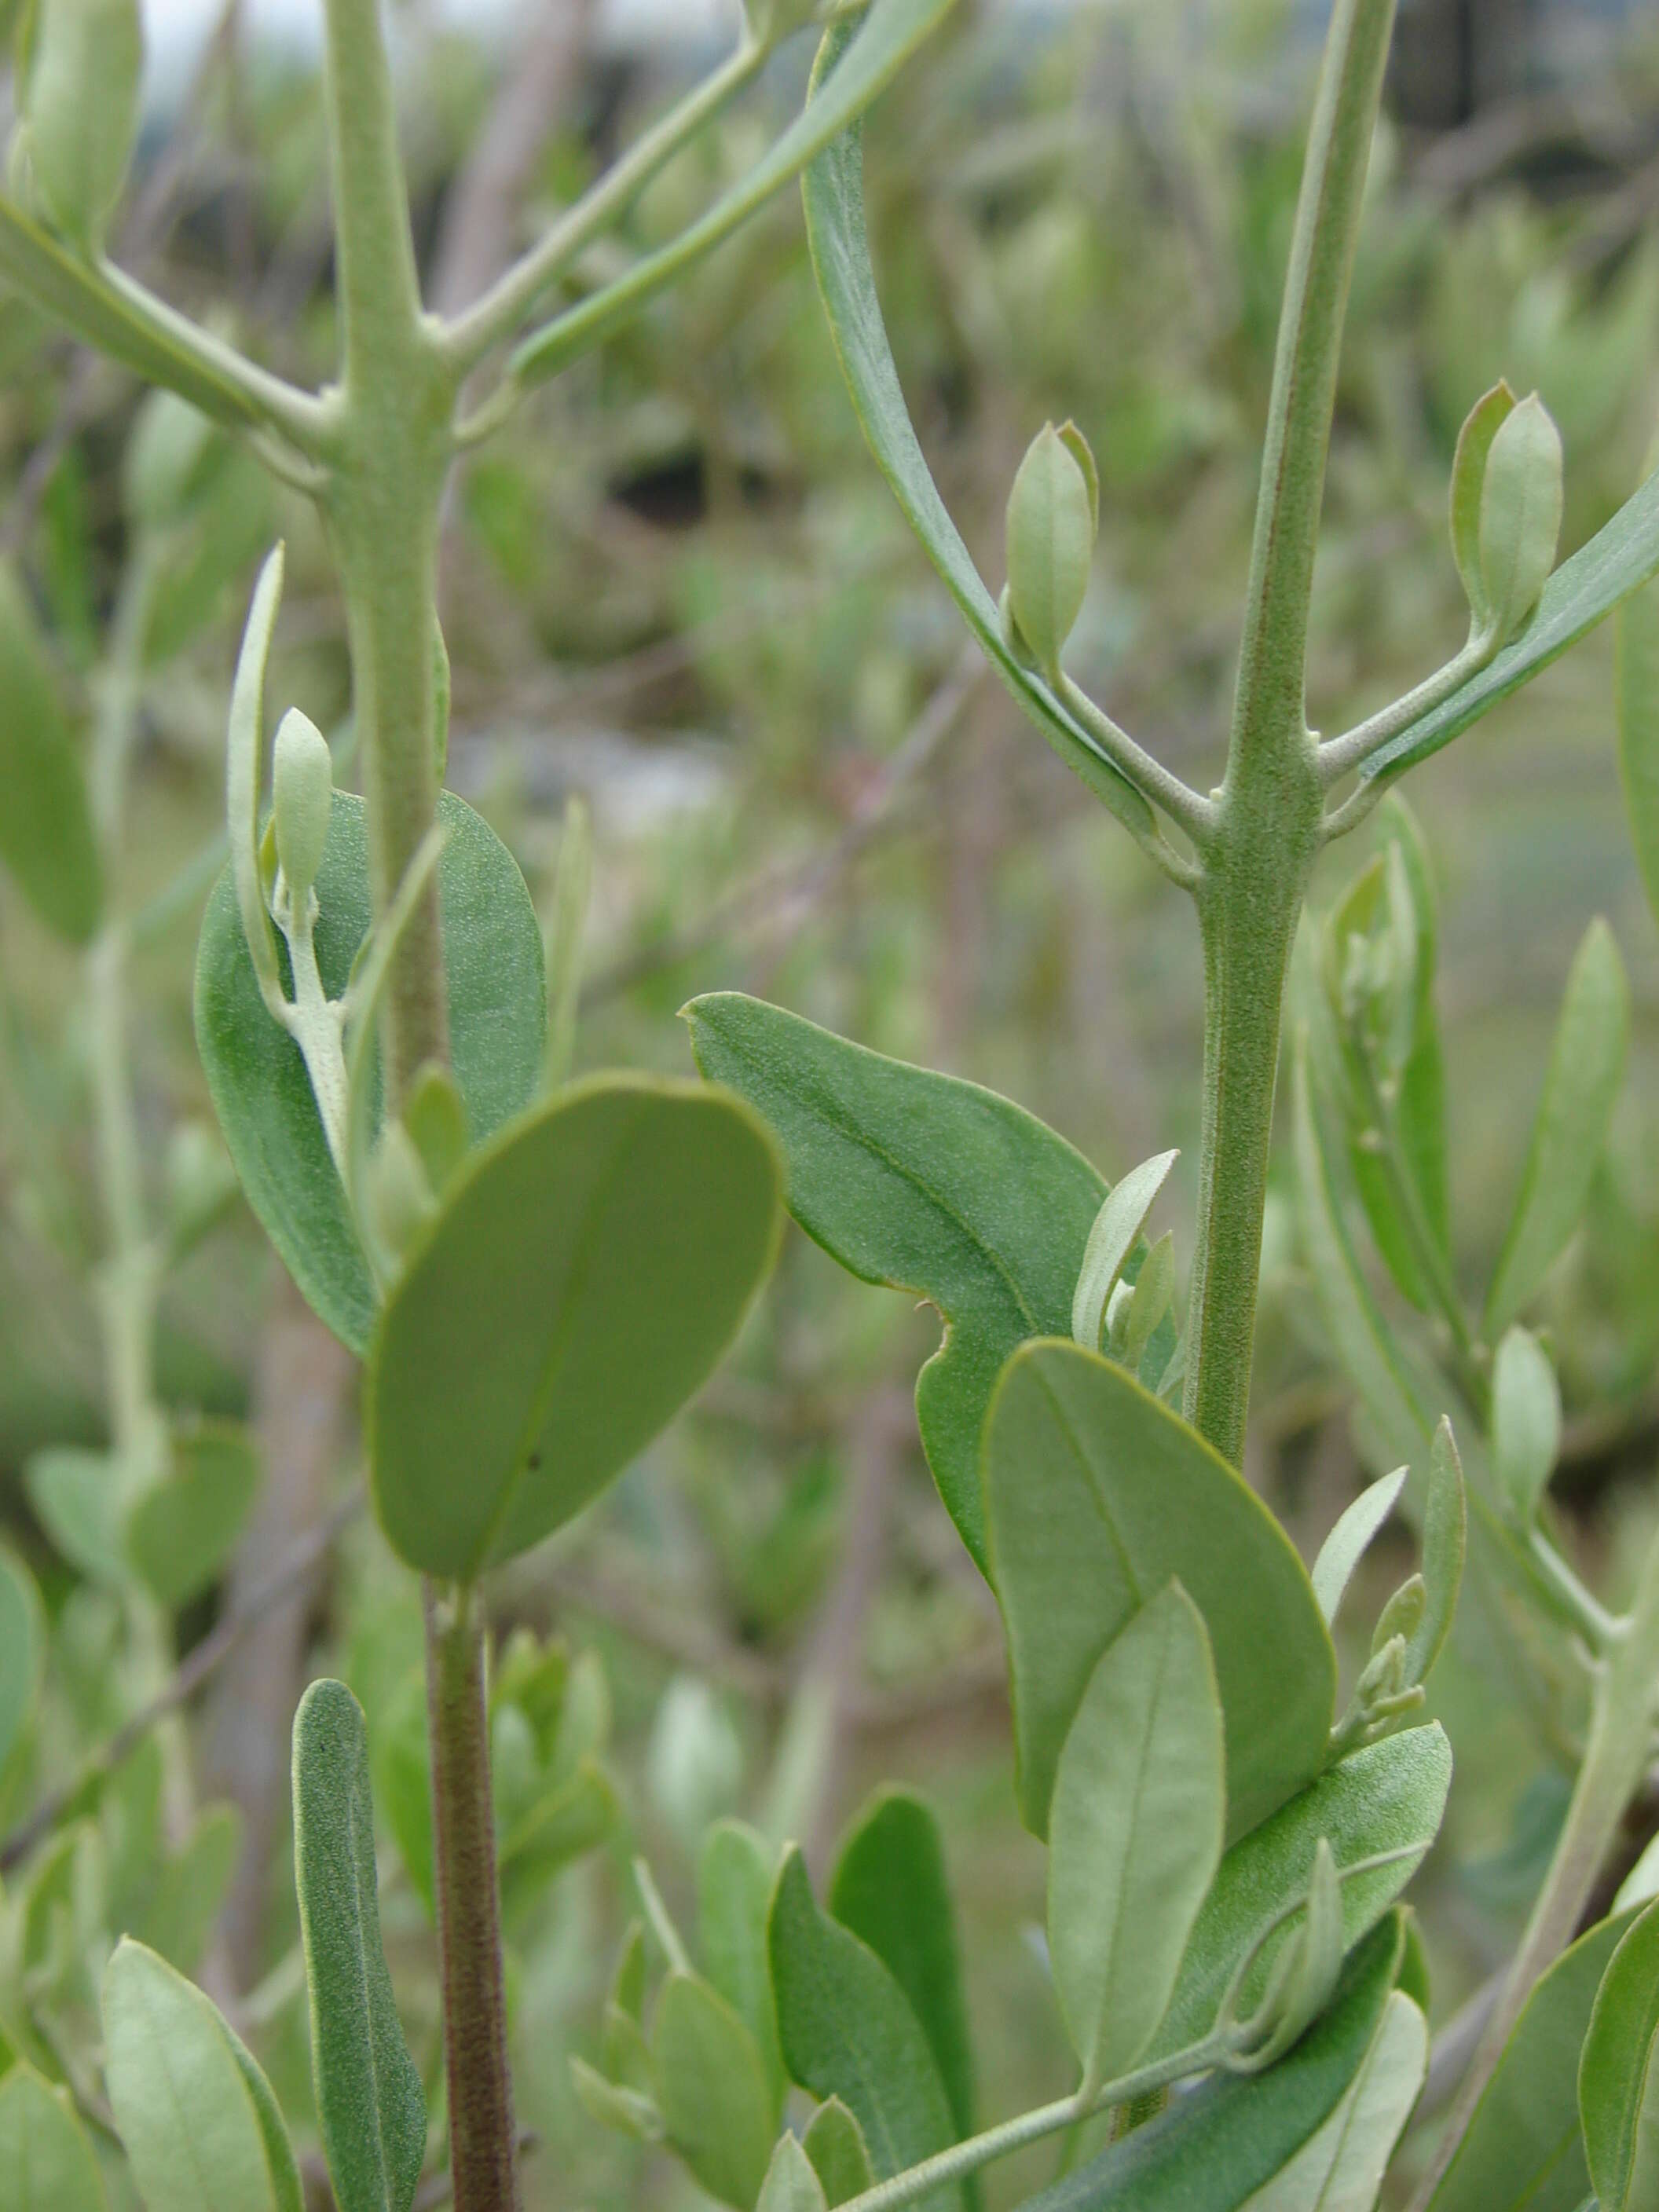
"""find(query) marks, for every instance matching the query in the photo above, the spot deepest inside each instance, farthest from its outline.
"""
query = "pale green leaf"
(735, 1869)
(835, 2143)
(1114, 1235)
(1340, 2168)
(370, 2104)
(848, 2031)
(1618, 2074)
(1635, 689)
(792, 2182)
(22, 1650)
(46, 2164)
(46, 837)
(181, 1529)
(1134, 1831)
(73, 1492)
(1097, 1496)
(180, 1912)
(1445, 1546)
(616, 2104)
(1348, 1542)
(586, 1273)
(1526, 1421)
(1586, 1064)
(711, 2091)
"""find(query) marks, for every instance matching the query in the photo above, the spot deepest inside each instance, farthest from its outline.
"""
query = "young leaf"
(586, 1273)
(1096, 1496)
(1134, 1831)
(179, 1913)
(1340, 2168)
(891, 1889)
(180, 2083)
(1523, 2150)
(848, 2031)
(74, 1494)
(1211, 2151)
(834, 2144)
(1349, 1541)
(1116, 1233)
(1053, 516)
(836, 237)
(46, 2164)
(260, 1090)
(1521, 500)
(1526, 1422)
(1389, 1797)
(734, 1890)
(81, 108)
(22, 1650)
(1586, 1061)
(1635, 690)
(792, 2182)
(1445, 1545)
(180, 1530)
(924, 1182)
(1618, 2074)
(615, 2105)
(1480, 426)
(712, 2090)
(46, 837)
(370, 2104)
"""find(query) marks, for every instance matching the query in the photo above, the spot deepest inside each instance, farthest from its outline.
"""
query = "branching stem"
(1156, 783)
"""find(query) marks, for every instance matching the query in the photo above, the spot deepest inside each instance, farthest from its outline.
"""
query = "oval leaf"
(1618, 2074)
(261, 1093)
(1526, 1421)
(180, 1531)
(46, 2164)
(586, 1273)
(370, 2104)
(712, 2090)
(834, 2144)
(734, 1890)
(1134, 1831)
(1096, 1496)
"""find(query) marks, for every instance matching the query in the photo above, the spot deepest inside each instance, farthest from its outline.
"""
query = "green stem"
(482, 2142)
(1615, 1759)
(1268, 828)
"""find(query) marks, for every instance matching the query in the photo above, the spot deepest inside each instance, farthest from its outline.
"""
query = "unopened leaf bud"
(1052, 516)
(1403, 1615)
(1520, 499)
(302, 794)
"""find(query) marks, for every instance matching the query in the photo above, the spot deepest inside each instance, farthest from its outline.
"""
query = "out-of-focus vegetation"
(677, 589)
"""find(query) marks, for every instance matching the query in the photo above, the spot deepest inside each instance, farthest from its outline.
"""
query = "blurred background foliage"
(678, 589)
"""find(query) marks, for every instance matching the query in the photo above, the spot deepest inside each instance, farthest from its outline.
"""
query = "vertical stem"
(1270, 803)
(1615, 1758)
(483, 2165)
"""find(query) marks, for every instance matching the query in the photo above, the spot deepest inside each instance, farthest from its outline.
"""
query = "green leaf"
(23, 1651)
(1445, 1547)
(1523, 2150)
(73, 1492)
(1480, 426)
(887, 34)
(712, 2090)
(792, 2182)
(180, 1912)
(1134, 1831)
(1053, 512)
(735, 1891)
(585, 1274)
(841, 2158)
(1349, 1541)
(848, 2031)
(179, 2081)
(1096, 1496)
(1621, 557)
(1618, 2074)
(1586, 1061)
(370, 2104)
(1526, 1422)
(1116, 1233)
(613, 2104)
(260, 1091)
(927, 1184)
(1635, 690)
(46, 2164)
(840, 246)
(1387, 1797)
(180, 1531)
(890, 1887)
(1211, 2151)
(46, 837)
(1340, 2168)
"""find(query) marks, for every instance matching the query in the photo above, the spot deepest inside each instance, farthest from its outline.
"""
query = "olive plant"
(538, 1273)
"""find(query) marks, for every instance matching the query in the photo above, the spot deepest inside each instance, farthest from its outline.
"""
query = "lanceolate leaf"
(261, 1093)
(925, 1182)
(1618, 2074)
(712, 2090)
(1340, 2169)
(1134, 1831)
(586, 1272)
(370, 2104)
(46, 2164)
(1524, 2151)
(848, 2031)
(1346, 1545)
(1636, 679)
(22, 1649)
(792, 2182)
(1526, 1422)
(45, 826)
(1097, 1496)
(1211, 2151)
(891, 1889)
(1586, 1061)
(1583, 591)
(1389, 1797)
(835, 233)
(734, 1890)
